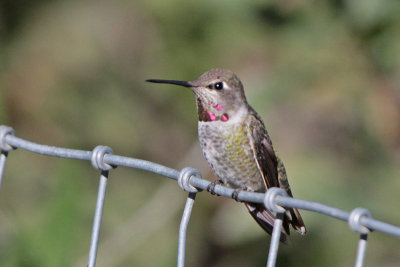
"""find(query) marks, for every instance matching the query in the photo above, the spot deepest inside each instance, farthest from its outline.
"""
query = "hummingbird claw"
(211, 187)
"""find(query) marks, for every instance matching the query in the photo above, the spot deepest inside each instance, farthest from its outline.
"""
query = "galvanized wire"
(184, 182)
(362, 248)
(97, 219)
(103, 159)
(3, 159)
(276, 234)
(183, 229)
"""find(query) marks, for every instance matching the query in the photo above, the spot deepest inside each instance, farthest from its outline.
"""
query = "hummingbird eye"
(219, 85)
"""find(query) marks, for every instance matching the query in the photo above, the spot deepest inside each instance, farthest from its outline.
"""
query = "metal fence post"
(355, 225)
(4, 147)
(97, 161)
(269, 202)
(184, 183)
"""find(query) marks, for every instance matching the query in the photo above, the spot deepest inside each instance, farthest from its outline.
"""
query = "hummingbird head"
(219, 93)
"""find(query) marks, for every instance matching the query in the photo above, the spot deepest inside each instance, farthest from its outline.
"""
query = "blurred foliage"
(324, 75)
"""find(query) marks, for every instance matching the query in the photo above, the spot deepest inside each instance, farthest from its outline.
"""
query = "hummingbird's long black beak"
(181, 83)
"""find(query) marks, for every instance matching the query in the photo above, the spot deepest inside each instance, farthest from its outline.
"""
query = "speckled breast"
(227, 149)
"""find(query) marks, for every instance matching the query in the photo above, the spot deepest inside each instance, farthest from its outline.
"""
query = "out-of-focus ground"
(324, 75)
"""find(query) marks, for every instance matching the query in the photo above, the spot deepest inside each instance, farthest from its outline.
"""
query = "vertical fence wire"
(97, 160)
(184, 183)
(270, 203)
(97, 219)
(276, 234)
(183, 229)
(362, 248)
(4, 147)
(355, 224)
(3, 159)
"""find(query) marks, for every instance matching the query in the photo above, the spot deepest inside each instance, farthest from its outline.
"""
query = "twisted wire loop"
(270, 199)
(270, 203)
(4, 131)
(355, 224)
(355, 220)
(184, 179)
(4, 147)
(184, 183)
(97, 161)
(97, 158)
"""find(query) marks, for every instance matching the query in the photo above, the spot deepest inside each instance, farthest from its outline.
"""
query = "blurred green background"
(324, 75)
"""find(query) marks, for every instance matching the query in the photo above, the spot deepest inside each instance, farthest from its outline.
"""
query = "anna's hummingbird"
(236, 144)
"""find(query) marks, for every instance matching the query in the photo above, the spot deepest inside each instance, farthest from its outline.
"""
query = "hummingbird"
(236, 144)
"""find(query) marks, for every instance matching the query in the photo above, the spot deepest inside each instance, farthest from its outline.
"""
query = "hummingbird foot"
(211, 187)
(235, 193)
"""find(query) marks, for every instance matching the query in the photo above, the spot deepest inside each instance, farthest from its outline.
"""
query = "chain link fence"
(190, 180)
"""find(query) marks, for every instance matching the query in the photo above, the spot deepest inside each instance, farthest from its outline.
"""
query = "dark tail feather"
(295, 218)
(297, 222)
(266, 219)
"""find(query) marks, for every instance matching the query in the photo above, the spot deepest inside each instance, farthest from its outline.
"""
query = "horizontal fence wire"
(190, 180)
